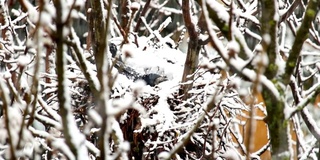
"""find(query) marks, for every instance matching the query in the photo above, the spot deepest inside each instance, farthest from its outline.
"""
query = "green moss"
(272, 22)
(274, 81)
(275, 120)
(310, 13)
(280, 90)
(273, 67)
(225, 28)
(292, 64)
(272, 70)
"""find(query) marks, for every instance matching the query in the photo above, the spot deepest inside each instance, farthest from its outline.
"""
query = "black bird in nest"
(151, 79)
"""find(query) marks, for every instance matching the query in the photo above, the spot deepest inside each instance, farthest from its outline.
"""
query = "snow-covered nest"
(167, 117)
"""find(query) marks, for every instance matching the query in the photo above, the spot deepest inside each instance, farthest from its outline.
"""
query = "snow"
(89, 10)
(290, 142)
(23, 61)
(311, 121)
(164, 117)
(264, 80)
(242, 40)
(95, 117)
(28, 149)
(77, 139)
(79, 3)
(46, 18)
(246, 15)
(281, 63)
(138, 87)
(89, 67)
(261, 59)
(252, 34)
(125, 146)
(33, 13)
(288, 111)
(135, 6)
(65, 31)
(117, 106)
(60, 144)
(165, 24)
(164, 155)
(164, 61)
(65, 9)
(15, 12)
(276, 16)
(6, 75)
(231, 153)
(41, 133)
(117, 132)
(219, 9)
(48, 120)
(233, 46)
(164, 113)
(266, 38)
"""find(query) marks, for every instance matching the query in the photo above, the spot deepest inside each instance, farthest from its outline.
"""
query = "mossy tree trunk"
(274, 105)
(273, 94)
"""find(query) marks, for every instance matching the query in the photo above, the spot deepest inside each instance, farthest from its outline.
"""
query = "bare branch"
(194, 47)
(5, 99)
(74, 139)
(302, 35)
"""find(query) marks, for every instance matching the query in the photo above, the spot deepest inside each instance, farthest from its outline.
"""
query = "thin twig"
(144, 11)
(5, 101)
